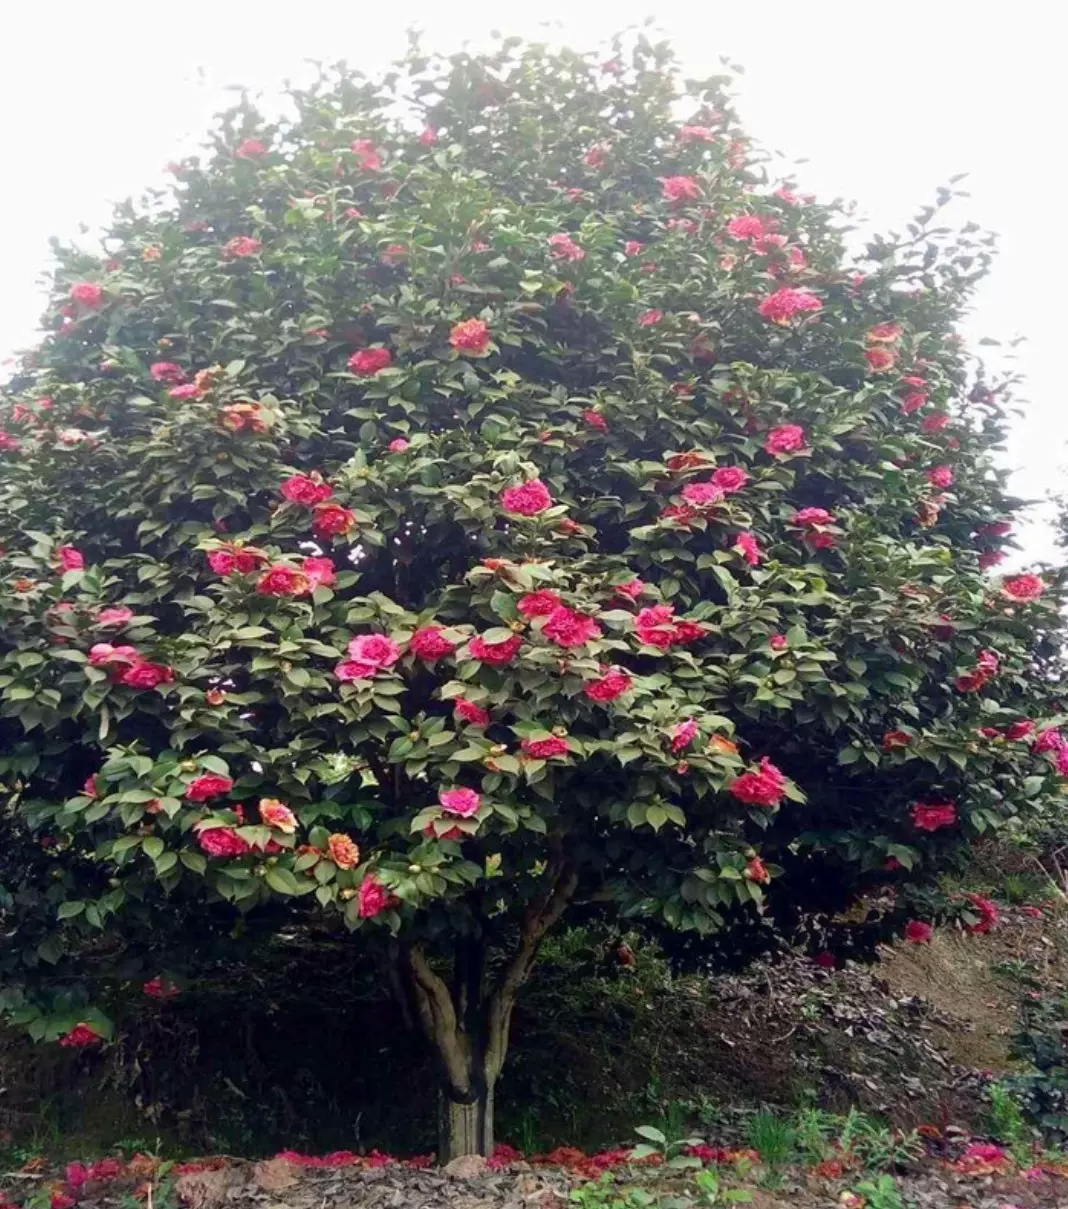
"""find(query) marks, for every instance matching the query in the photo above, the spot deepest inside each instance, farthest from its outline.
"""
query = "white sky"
(884, 101)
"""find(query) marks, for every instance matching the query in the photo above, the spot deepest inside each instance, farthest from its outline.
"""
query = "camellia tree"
(483, 494)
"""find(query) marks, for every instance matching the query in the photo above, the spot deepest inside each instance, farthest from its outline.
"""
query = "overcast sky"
(883, 101)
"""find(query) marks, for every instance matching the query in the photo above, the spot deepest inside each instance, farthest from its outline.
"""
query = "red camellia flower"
(988, 914)
(470, 336)
(207, 786)
(679, 188)
(527, 499)
(749, 548)
(546, 749)
(787, 438)
(368, 155)
(1020, 730)
(183, 393)
(778, 642)
(570, 629)
(657, 626)
(343, 851)
(931, 816)
(917, 932)
(684, 734)
(374, 898)
(222, 841)
(896, 738)
(632, 248)
(991, 558)
(80, 1036)
(428, 136)
(695, 134)
(806, 517)
(250, 149)
(1019, 587)
(614, 683)
(241, 246)
(471, 712)
(370, 361)
(563, 247)
(460, 801)
(87, 294)
(430, 643)
(703, 495)
(766, 787)
(596, 156)
(282, 580)
(729, 479)
(319, 572)
(157, 988)
(368, 654)
(71, 559)
(103, 654)
(934, 423)
(306, 489)
(879, 358)
(331, 520)
(746, 226)
(539, 604)
(784, 304)
(147, 675)
(167, 371)
(757, 871)
(631, 590)
(595, 420)
(940, 476)
(496, 654)
(399, 445)
(650, 318)
(885, 332)
(230, 559)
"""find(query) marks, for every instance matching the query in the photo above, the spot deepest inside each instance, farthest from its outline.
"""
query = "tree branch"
(437, 1016)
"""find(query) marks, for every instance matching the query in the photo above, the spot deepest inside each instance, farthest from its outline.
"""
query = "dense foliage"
(481, 493)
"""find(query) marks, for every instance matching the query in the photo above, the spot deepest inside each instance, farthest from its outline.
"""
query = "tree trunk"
(465, 1128)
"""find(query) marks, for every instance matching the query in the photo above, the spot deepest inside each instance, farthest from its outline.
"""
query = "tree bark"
(465, 1128)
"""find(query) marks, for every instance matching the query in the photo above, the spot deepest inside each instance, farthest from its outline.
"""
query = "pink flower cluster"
(527, 499)
(368, 654)
(784, 304)
(128, 666)
(987, 667)
(657, 626)
(765, 787)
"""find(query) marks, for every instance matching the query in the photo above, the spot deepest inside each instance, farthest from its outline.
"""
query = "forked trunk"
(465, 1128)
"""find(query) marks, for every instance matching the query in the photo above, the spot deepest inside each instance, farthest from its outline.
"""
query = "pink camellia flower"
(373, 898)
(569, 629)
(884, 332)
(527, 499)
(430, 644)
(896, 738)
(765, 787)
(460, 801)
(1048, 740)
(87, 294)
(749, 548)
(806, 517)
(614, 683)
(250, 149)
(276, 814)
(729, 479)
(375, 651)
(703, 495)
(778, 642)
(786, 438)
(657, 626)
(222, 841)
(470, 336)
(166, 371)
(879, 358)
(940, 476)
(695, 134)
(650, 318)
(988, 914)
(539, 604)
(103, 654)
(241, 246)
(370, 361)
(368, 155)
(596, 156)
(913, 402)
(71, 559)
(563, 247)
(994, 529)
(496, 654)
(306, 489)
(931, 816)
(90, 788)
(757, 871)
(1019, 587)
(1019, 730)
(679, 188)
(184, 393)
(350, 670)
(80, 1036)
(331, 520)
(471, 712)
(745, 226)
(631, 590)
(991, 558)
(784, 304)
(595, 420)
(207, 786)
(157, 988)
(935, 423)
(147, 675)
(633, 248)
(556, 746)
(319, 572)
(428, 136)
(399, 445)
(917, 932)
(282, 580)
(233, 559)
(684, 734)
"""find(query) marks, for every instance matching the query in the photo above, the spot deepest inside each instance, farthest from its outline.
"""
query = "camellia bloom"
(71, 559)
(80, 1036)
(595, 420)
(650, 318)
(471, 712)
(222, 841)
(757, 871)
(167, 371)
(331, 520)
(657, 626)
(987, 911)
(319, 572)
(496, 654)
(935, 423)
(277, 814)
(940, 476)
(888, 332)
(241, 246)
(696, 134)
(749, 548)
(896, 738)
(103, 654)
(879, 358)
(282, 580)
(784, 304)
(568, 629)
(1020, 730)
(430, 643)
(207, 786)
(87, 294)
(460, 801)
(539, 604)
(806, 517)
(527, 499)
(729, 479)
(370, 361)
(787, 438)
(703, 495)
(679, 188)
(147, 675)
(157, 988)
(373, 898)
(368, 155)
(306, 489)
(746, 226)
(230, 559)
(563, 247)
(632, 589)
(399, 445)
(778, 642)
(374, 651)
(556, 746)
(250, 149)
(632, 248)
(241, 417)
(917, 932)
(188, 390)
(470, 336)
(342, 851)
(684, 734)
(931, 816)
(614, 683)
(1019, 587)
(765, 787)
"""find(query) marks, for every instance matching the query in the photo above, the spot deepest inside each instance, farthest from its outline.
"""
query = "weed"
(1007, 1123)
(605, 1194)
(669, 1148)
(881, 1193)
(710, 1190)
(813, 1130)
(773, 1139)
